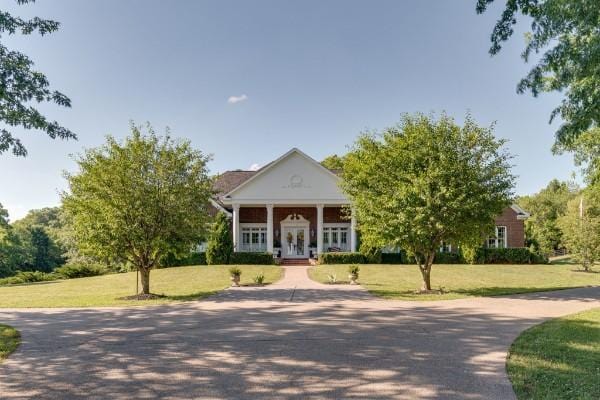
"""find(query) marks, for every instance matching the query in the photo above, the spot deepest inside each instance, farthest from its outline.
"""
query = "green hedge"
(483, 256)
(251, 258)
(342, 258)
(191, 259)
(29, 277)
(395, 258)
(71, 271)
(520, 255)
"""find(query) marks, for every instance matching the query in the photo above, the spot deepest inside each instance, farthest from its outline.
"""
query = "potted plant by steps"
(235, 273)
(353, 271)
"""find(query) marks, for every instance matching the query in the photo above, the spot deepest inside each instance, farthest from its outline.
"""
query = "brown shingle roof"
(229, 180)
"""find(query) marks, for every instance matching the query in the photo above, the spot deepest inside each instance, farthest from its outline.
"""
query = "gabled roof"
(229, 180)
(521, 214)
(256, 174)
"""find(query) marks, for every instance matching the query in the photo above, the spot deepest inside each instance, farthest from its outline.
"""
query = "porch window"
(335, 238)
(254, 239)
(499, 241)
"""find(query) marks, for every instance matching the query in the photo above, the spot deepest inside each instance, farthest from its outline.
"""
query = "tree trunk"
(145, 277)
(426, 271)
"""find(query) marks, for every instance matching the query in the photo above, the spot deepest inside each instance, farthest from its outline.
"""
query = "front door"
(295, 244)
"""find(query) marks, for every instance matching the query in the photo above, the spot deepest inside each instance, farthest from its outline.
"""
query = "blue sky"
(310, 74)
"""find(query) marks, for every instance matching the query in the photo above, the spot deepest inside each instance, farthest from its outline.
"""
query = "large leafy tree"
(12, 255)
(546, 207)
(21, 84)
(427, 181)
(140, 200)
(38, 234)
(567, 32)
(587, 155)
(581, 227)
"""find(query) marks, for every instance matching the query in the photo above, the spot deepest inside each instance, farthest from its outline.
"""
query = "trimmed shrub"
(395, 258)
(372, 254)
(342, 258)
(29, 277)
(71, 271)
(191, 259)
(251, 258)
(448, 258)
(521, 255)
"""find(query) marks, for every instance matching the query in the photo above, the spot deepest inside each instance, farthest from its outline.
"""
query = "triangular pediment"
(292, 177)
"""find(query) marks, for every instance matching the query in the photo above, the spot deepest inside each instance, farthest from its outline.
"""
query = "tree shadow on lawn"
(451, 294)
(546, 363)
(282, 350)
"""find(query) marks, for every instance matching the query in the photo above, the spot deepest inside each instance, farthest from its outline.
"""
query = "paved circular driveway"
(293, 340)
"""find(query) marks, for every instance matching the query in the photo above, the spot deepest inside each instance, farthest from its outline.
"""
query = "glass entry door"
(295, 242)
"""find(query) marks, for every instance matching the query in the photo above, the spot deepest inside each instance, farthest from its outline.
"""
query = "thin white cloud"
(237, 99)
(254, 167)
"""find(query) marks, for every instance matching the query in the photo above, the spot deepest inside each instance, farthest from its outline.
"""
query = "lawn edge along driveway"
(400, 282)
(177, 284)
(558, 359)
(9, 341)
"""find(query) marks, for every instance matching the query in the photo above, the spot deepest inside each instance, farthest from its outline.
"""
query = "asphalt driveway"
(293, 340)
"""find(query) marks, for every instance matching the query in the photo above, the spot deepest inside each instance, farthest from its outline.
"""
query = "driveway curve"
(295, 339)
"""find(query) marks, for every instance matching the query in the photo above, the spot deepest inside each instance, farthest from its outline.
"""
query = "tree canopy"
(546, 207)
(333, 162)
(567, 33)
(581, 227)
(426, 181)
(220, 243)
(21, 84)
(140, 200)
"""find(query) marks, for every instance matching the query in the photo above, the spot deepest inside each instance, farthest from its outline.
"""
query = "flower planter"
(235, 280)
(353, 278)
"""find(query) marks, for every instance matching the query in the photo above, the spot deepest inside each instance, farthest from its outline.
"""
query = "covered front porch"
(293, 230)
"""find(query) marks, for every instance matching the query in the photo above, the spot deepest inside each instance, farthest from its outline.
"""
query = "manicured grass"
(559, 359)
(458, 281)
(9, 340)
(181, 283)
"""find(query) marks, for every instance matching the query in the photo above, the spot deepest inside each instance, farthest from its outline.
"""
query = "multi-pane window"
(335, 238)
(499, 241)
(254, 239)
(445, 248)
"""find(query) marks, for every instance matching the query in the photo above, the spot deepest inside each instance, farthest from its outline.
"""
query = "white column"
(270, 228)
(319, 228)
(353, 232)
(236, 227)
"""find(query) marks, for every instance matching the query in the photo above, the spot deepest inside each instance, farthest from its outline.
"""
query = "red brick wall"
(253, 215)
(515, 227)
(332, 215)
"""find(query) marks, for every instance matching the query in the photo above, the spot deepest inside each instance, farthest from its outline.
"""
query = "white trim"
(337, 225)
(495, 237)
(272, 164)
(220, 208)
(252, 225)
(288, 203)
(522, 214)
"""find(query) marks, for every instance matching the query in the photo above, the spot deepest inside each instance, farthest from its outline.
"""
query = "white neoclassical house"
(292, 207)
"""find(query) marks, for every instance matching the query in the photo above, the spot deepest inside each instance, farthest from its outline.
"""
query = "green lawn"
(181, 283)
(458, 281)
(559, 359)
(9, 340)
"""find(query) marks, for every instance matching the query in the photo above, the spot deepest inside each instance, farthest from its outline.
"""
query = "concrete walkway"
(295, 339)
